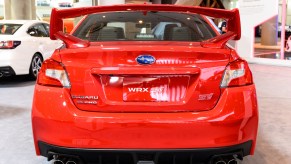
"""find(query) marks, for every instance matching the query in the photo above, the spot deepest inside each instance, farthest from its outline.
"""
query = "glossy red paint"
(178, 102)
(71, 41)
(56, 120)
(202, 71)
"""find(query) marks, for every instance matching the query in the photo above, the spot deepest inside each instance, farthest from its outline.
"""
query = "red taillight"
(237, 73)
(9, 44)
(53, 73)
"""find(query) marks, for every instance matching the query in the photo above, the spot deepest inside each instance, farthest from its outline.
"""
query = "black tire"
(35, 66)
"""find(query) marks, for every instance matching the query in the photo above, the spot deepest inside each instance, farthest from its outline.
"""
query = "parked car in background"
(43, 3)
(120, 91)
(24, 44)
(61, 3)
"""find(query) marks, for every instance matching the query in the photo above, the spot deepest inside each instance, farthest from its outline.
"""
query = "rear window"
(9, 29)
(157, 26)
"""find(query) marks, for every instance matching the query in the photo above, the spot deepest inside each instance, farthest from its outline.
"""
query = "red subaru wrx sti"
(145, 84)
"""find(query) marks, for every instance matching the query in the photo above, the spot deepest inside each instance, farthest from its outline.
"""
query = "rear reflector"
(53, 73)
(237, 73)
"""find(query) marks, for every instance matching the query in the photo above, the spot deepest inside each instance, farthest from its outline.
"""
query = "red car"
(145, 84)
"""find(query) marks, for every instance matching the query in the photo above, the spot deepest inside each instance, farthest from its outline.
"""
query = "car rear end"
(120, 92)
(8, 44)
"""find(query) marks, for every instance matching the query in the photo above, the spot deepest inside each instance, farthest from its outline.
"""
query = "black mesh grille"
(145, 158)
(113, 158)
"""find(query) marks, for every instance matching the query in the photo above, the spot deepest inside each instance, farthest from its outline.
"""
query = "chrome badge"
(203, 97)
(145, 59)
(80, 99)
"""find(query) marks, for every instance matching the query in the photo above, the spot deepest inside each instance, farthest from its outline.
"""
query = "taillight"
(237, 73)
(53, 73)
(9, 44)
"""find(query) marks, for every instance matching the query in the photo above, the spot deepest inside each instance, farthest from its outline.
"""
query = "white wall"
(1, 10)
(110, 2)
(253, 13)
(83, 3)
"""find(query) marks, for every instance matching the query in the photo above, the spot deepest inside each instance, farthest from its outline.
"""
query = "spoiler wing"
(231, 16)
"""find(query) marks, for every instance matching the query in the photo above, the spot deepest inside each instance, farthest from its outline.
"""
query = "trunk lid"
(106, 77)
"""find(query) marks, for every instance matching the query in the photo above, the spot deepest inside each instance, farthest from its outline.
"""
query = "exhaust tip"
(232, 161)
(58, 162)
(64, 158)
(220, 162)
(71, 162)
(1, 74)
(231, 158)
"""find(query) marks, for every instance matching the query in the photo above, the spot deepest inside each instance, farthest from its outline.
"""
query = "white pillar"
(269, 33)
(110, 2)
(7, 9)
(94, 2)
(16, 9)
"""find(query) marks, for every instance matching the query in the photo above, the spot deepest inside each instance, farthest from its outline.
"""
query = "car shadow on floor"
(8, 112)
(16, 81)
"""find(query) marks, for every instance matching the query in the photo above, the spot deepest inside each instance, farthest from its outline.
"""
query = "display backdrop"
(253, 13)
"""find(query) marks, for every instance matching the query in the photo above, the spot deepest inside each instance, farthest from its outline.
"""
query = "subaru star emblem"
(145, 59)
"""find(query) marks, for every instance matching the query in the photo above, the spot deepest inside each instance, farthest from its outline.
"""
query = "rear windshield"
(157, 26)
(9, 29)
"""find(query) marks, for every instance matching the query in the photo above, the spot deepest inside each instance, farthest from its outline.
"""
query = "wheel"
(35, 66)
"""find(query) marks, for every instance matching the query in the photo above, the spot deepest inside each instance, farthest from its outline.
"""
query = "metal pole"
(283, 29)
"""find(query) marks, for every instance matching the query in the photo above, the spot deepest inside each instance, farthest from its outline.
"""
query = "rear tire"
(35, 66)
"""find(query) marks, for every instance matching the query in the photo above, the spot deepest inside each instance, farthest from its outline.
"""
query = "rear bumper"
(132, 156)
(56, 121)
(6, 71)
(14, 59)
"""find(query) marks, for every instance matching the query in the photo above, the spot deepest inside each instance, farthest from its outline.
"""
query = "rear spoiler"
(231, 16)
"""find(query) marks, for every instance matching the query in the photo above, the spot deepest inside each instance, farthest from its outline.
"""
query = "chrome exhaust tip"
(220, 162)
(232, 161)
(57, 161)
(64, 159)
(71, 162)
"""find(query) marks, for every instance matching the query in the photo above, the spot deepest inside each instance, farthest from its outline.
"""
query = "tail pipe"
(220, 161)
(226, 159)
(64, 158)
(71, 161)
(57, 161)
(232, 161)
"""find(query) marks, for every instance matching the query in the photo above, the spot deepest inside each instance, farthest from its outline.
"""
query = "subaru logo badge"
(145, 59)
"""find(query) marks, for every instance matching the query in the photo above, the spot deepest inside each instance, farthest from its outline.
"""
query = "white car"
(24, 44)
(61, 3)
